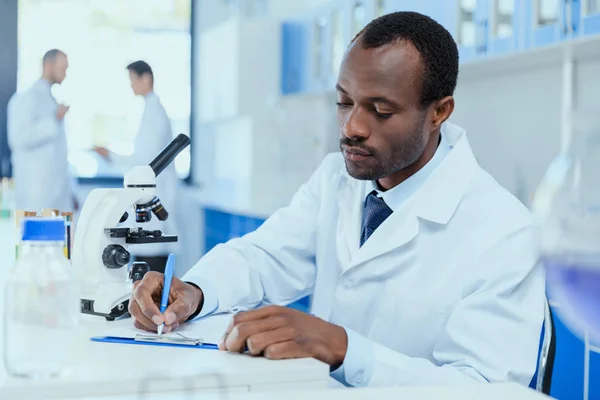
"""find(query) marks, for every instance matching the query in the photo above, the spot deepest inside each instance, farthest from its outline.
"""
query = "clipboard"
(164, 341)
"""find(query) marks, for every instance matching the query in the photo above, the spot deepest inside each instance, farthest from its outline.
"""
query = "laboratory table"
(100, 369)
(473, 392)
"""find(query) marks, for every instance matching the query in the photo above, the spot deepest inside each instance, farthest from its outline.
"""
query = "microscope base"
(108, 300)
(87, 307)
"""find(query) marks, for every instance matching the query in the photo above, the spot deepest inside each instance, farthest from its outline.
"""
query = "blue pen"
(164, 302)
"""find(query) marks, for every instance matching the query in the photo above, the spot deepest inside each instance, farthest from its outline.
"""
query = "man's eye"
(383, 115)
(342, 105)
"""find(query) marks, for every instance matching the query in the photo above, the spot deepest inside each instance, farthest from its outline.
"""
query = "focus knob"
(138, 270)
(115, 256)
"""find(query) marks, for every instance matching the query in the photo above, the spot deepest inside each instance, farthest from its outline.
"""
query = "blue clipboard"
(127, 340)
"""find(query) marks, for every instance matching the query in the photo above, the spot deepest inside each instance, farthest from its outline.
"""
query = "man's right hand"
(184, 300)
(61, 111)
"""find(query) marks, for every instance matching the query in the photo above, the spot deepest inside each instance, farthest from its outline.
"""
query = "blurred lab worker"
(154, 134)
(36, 137)
(422, 268)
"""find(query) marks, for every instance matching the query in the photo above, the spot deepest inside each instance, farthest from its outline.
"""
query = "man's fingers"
(142, 294)
(259, 313)
(247, 316)
(140, 318)
(259, 342)
(236, 339)
(141, 326)
(178, 311)
(285, 350)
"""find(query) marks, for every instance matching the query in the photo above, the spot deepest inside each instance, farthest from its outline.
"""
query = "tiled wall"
(221, 227)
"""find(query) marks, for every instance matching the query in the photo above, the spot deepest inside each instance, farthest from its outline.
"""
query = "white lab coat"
(446, 291)
(39, 151)
(154, 134)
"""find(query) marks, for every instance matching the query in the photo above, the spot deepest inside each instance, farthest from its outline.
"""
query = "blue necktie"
(374, 213)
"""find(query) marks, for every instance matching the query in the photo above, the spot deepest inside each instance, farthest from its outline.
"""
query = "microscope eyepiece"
(169, 153)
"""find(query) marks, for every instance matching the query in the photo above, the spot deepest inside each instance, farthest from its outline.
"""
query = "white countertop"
(101, 369)
(473, 392)
(106, 371)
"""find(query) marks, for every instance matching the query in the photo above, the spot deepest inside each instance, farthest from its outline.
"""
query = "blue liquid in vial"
(574, 284)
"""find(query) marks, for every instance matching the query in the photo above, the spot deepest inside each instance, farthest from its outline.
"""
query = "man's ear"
(442, 110)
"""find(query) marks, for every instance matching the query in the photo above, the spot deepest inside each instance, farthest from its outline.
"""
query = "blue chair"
(542, 379)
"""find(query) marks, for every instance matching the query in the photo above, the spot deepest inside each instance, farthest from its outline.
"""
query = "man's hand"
(61, 111)
(281, 332)
(102, 152)
(184, 300)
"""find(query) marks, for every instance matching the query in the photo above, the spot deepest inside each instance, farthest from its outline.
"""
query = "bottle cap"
(39, 229)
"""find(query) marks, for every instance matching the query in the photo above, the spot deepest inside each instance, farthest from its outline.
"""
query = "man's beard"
(390, 162)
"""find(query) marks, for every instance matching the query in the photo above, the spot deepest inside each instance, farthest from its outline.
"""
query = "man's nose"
(355, 126)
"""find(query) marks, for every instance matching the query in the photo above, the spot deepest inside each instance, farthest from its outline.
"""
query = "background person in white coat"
(37, 141)
(154, 134)
(423, 269)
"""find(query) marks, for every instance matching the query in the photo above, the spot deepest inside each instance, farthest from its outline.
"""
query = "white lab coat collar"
(435, 201)
(439, 196)
(397, 195)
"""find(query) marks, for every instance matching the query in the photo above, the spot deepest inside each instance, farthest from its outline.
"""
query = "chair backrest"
(542, 380)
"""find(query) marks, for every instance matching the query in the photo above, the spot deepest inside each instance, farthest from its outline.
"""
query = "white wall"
(513, 123)
(253, 148)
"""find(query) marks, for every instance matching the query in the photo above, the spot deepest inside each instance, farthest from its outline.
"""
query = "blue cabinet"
(547, 21)
(589, 23)
(294, 57)
(313, 47)
(506, 27)
(466, 20)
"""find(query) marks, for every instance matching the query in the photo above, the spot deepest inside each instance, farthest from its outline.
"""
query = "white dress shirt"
(447, 290)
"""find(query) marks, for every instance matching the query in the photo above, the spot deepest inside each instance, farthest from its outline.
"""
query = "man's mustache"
(357, 143)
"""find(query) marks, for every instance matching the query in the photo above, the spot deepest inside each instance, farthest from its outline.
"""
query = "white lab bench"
(105, 371)
(474, 392)
(101, 369)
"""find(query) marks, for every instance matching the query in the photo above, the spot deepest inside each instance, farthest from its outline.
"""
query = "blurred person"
(154, 134)
(36, 137)
(423, 269)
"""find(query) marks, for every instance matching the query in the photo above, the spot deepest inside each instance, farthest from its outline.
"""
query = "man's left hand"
(280, 332)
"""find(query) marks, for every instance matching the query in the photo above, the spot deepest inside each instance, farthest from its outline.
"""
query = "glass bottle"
(41, 303)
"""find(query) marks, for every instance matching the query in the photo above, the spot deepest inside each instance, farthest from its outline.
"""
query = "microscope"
(100, 257)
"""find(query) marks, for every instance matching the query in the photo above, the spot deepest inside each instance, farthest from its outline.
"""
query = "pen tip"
(160, 329)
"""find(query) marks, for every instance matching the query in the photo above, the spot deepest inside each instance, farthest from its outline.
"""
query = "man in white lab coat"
(423, 269)
(36, 137)
(154, 134)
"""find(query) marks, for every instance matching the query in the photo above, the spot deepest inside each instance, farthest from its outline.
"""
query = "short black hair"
(140, 68)
(438, 50)
(51, 55)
